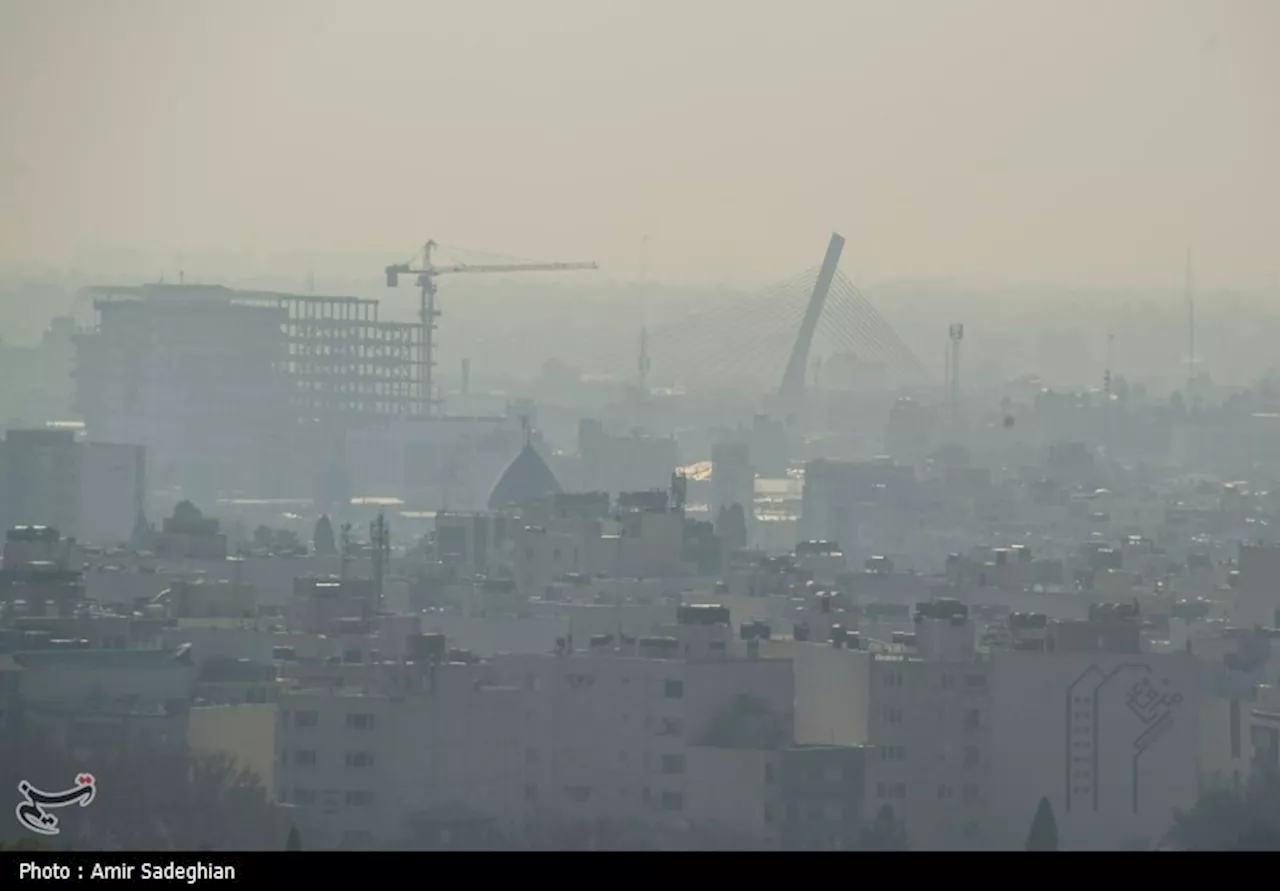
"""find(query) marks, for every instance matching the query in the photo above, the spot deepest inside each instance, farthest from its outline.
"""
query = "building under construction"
(242, 391)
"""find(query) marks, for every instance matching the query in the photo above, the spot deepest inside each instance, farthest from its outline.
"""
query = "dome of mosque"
(526, 479)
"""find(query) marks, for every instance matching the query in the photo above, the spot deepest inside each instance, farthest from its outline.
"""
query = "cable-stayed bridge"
(760, 339)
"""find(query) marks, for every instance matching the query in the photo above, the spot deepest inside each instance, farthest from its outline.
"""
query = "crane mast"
(428, 313)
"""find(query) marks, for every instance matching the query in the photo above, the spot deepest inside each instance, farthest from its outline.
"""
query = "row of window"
(671, 764)
(972, 718)
(308, 758)
(671, 689)
(308, 719)
(894, 679)
(969, 793)
(307, 797)
(896, 791)
(668, 801)
(895, 754)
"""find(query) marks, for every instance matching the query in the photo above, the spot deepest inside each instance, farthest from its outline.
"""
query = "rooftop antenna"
(528, 430)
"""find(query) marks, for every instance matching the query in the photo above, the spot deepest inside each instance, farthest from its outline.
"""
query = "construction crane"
(427, 312)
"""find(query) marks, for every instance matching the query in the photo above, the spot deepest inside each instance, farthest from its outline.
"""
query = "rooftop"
(84, 659)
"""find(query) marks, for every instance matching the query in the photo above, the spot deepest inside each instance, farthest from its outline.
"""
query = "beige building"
(924, 707)
(363, 767)
(608, 732)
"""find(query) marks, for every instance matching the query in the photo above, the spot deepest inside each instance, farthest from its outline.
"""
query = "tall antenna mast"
(643, 365)
(1191, 329)
(956, 334)
(380, 538)
(1106, 391)
(345, 544)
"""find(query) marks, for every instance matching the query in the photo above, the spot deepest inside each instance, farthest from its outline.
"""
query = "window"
(671, 727)
(970, 793)
(530, 755)
(356, 838)
(975, 681)
(672, 801)
(893, 753)
(972, 757)
(971, 829)
(891, 790)
(578, 794)
(946, 793)
(893, 678)
(768, 774)
(304, 758)
(530, 792)
(528, 553)
(673, 689)
(306, 719)
(304, 797)
(768, 812)
(948, 681)
(359, 759)
(972, 720)
(555, 555)
(673, 764)
(359, 798)
(893, 716)
(360, 721)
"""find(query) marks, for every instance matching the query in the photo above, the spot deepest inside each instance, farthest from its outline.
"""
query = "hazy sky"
(1074, 141)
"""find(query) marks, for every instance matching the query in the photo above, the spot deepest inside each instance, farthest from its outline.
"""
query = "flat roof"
(195, 290)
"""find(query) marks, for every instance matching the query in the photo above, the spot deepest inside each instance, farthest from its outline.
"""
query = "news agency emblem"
(35, 811)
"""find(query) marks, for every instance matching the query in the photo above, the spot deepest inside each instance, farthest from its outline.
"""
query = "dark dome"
(528, 478)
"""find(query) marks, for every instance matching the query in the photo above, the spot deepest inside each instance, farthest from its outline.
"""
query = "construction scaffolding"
(241, 389)
(344, 364)
(333, 355)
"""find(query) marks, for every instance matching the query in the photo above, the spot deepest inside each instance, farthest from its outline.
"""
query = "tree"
(1044, 829)
(885, 833)
(295, 841)
(323, 540)
(263, 538)
(1231, 820)
(150, 797)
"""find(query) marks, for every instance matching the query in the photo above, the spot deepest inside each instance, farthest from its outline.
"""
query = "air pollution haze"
(985, 141)
(575, 425)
